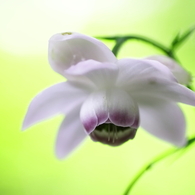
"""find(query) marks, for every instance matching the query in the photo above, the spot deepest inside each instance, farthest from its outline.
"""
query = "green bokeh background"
(27, 162)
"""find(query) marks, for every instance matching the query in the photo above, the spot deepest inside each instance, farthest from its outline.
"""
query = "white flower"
(106, 98)
(180, 73)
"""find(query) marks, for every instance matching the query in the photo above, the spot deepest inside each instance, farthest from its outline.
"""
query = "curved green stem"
(147, 167)
(120, 40)
(152, 163)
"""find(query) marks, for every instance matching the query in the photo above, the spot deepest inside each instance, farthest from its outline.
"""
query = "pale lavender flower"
(108, 99)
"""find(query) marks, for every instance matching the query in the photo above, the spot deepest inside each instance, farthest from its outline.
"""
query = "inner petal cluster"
(112, 134)
(110, 117)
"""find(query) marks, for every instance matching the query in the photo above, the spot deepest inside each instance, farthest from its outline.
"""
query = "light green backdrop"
(27, 162)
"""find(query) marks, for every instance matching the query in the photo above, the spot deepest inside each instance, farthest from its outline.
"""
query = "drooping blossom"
(108, 99)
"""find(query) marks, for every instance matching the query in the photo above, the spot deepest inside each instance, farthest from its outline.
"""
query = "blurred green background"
(27, 162)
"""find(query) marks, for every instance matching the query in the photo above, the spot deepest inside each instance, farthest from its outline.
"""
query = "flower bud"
(182, 76)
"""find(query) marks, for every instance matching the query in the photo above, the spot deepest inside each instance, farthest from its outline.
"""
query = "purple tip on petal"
(122, 119)
(136, 123)
(102, 117)
(90, 124)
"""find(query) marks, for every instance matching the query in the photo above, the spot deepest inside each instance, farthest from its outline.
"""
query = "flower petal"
(123, 110)
(112, 106)
(100, 74)
(69, 48)
(71, 133)
(162, 88)
(164, 120)
(94, 111)
(180, 73)
(132, 71)
(56, 99)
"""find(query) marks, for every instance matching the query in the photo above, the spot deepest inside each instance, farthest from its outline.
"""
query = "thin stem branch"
(152, 163)
(120, 40)
(147, 167)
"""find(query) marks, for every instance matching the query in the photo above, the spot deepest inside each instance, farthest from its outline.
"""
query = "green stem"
(153, 162)
(120, 40)
(147, 167)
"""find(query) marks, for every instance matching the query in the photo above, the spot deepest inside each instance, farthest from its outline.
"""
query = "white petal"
(69, 48)
(71, 133)
(102, 75)
(123, 110)
(94, 111)
(164, 89)
(180, 73)
(56, 99)
(112, 105)
(164, 120)
(132, 71)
